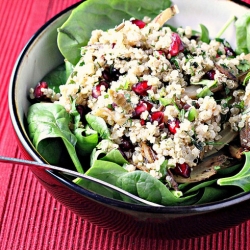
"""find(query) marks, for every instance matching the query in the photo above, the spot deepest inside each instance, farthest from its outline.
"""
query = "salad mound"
(161, 112)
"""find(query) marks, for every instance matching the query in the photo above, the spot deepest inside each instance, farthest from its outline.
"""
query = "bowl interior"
(41, 54)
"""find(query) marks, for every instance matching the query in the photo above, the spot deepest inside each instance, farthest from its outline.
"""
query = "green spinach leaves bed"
(48, 123)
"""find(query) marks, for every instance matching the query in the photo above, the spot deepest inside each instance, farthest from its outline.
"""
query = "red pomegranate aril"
(157, 116)
(139, 23)
(126, 144)
(149, 105)
(115, 73)
(173, 125)
(210, 74)
(82, 110)
(96, 91)
(106, 75)
(139, 109)
(161, 52)
(142, 122)
(176, 45)
(38, 93)
(186, 106)
(110, 74)
(141, 88)
(230, 52)
(182, 169)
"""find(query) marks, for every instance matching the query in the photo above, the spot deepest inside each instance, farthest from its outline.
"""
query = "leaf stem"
(231, 20)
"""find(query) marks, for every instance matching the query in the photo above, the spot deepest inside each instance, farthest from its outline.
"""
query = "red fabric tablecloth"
(29, 217)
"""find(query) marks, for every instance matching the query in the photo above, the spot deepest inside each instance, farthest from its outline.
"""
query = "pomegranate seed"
(96, 92)
(141, 88)
(161, 52)
(230, 52)
(142, 122)
(139, 109)
(210, 74)
(115, 73)
(176, 45)
(38, 90)
(106, 75)
(182, 169)
(173, 125)
(186, 106)
(149, 105)
(110, 74)
(157, 116)
(126, 144)
(139, 23)
(82, 110)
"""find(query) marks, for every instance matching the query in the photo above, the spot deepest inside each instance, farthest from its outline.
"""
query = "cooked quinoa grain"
(154, 88)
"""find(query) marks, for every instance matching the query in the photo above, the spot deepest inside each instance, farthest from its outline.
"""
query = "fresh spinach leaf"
(163, 169)
(47, 149)
(99, 14)
(106, 150)
(115, 156)
(223, 172)
(149, 188)
(204, 34)
(87, 138)
(85, 143)
(97, 188)
(50, 120)
(68, 69)
(99, 125)
(211, 194)
(139, 183)
(241, 179)
(106, 171)
(56, 77)
(199, 186)
(242, 26)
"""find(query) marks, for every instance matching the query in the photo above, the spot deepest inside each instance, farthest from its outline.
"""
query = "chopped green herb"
(247, 78)
(74, 73)
(244, 65)
(175, 62)
(72, 81)
(181, 115)
(206, 90)
(166, 101)
(192, 114)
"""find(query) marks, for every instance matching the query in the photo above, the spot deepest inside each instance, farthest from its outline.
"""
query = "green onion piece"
(232, 19)
(192, 114)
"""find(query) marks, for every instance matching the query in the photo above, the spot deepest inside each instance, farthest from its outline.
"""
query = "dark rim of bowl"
(187, 209)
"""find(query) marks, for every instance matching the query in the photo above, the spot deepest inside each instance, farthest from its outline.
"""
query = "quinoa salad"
(168, 99)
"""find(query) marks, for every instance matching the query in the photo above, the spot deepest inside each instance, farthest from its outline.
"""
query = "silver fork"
(79, 175)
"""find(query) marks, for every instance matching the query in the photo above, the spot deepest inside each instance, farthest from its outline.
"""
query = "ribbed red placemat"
(29, 217)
